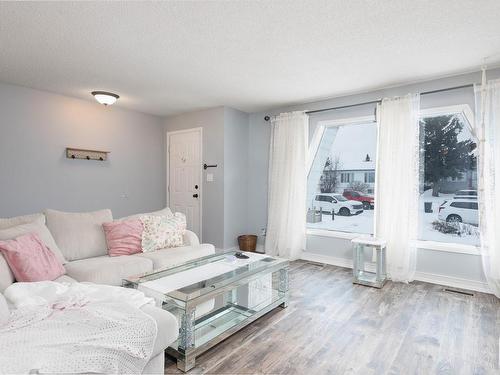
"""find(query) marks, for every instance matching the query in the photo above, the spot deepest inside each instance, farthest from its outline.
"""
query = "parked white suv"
(338, 204)
(459, 211)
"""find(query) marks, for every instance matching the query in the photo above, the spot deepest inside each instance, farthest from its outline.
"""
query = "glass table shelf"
(214, 297)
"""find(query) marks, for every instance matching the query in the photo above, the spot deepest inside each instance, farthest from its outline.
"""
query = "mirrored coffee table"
(214, 297)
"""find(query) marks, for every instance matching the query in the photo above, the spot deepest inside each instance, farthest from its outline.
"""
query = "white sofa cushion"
(79, 235)
(108, 270)
(38, 227)
(18, 220)
(174, 256)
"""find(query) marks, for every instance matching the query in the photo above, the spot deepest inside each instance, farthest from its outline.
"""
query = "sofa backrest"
(18, 220)
(79, 235)
(163, 212)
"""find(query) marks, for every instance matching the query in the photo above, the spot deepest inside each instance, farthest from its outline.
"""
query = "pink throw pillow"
(124, 237)
(30, 260)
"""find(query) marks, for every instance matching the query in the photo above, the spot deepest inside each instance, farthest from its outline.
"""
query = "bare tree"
(328, 182)
(359, 186)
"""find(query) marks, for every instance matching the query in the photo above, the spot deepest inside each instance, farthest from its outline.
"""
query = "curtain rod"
(267, 118)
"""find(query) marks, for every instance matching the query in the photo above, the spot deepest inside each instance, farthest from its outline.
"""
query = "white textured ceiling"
(170, 57)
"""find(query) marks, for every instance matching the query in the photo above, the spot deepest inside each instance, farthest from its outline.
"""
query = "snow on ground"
(363, 223)
(427, 232)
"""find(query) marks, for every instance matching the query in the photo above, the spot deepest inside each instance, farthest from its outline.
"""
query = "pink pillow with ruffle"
(124, 237)
(30, 260)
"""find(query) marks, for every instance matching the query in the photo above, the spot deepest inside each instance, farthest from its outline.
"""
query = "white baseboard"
(326, 259)
(451, 281)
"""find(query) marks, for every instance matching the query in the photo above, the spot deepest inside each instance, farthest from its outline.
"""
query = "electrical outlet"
(263, 231)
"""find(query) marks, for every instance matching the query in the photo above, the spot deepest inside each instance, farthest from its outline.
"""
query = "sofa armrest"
(191, 239)
(168, 328)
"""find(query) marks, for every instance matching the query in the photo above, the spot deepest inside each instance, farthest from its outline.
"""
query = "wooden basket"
(247, 242)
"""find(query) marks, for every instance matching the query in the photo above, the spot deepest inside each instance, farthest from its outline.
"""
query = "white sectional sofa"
(81, 240)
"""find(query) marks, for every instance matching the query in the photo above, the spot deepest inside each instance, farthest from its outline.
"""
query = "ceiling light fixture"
(104, 97)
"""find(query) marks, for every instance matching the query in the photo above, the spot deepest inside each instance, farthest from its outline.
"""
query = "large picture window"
(448, 194)
(341, 180)
(342, 177)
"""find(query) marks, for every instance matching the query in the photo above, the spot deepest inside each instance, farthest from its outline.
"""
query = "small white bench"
(361, 276)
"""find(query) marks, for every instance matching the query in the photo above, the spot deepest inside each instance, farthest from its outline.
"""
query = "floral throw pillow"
(162, 231)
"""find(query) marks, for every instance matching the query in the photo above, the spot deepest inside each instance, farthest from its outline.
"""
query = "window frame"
(313, 149)
(461, 109)
(465, 111)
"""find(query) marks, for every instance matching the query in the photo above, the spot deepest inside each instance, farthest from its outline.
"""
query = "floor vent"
(316, 264)
(456, 291)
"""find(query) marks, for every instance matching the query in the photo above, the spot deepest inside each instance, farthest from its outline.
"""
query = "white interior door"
(184, 174)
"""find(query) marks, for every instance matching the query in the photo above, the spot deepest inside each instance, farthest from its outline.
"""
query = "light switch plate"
(210, 177)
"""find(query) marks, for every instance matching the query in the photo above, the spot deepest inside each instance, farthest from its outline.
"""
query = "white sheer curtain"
(488, 132)
(397, 183)
(286, 223)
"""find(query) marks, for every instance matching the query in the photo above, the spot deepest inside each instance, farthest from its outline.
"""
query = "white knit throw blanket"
(76, 328)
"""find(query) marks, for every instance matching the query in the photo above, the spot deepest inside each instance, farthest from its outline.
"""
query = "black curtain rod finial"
(267, 118)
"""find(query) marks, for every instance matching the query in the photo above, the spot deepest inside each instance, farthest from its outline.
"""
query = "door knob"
(195, 195)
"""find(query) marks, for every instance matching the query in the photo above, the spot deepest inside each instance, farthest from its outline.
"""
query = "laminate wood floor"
(334, 327)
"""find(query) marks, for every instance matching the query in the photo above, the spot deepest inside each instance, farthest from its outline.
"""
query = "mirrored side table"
(361, 276)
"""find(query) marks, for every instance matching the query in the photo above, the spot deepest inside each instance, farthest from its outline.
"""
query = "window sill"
(333, 234)
(448, 247)
(424, 245)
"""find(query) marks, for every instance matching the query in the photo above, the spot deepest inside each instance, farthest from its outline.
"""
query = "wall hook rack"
(205, 166)
(80, 153)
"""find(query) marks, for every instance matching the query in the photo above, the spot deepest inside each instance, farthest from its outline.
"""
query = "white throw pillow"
(40, 229)
(18, 220)
(79, 235)
(4, 310)
(163, 232)
(164, 212)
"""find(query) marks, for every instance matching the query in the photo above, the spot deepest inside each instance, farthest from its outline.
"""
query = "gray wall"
(35, 129)
(212, 122)
(225, 143)
(235, 175)
(448, 264)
